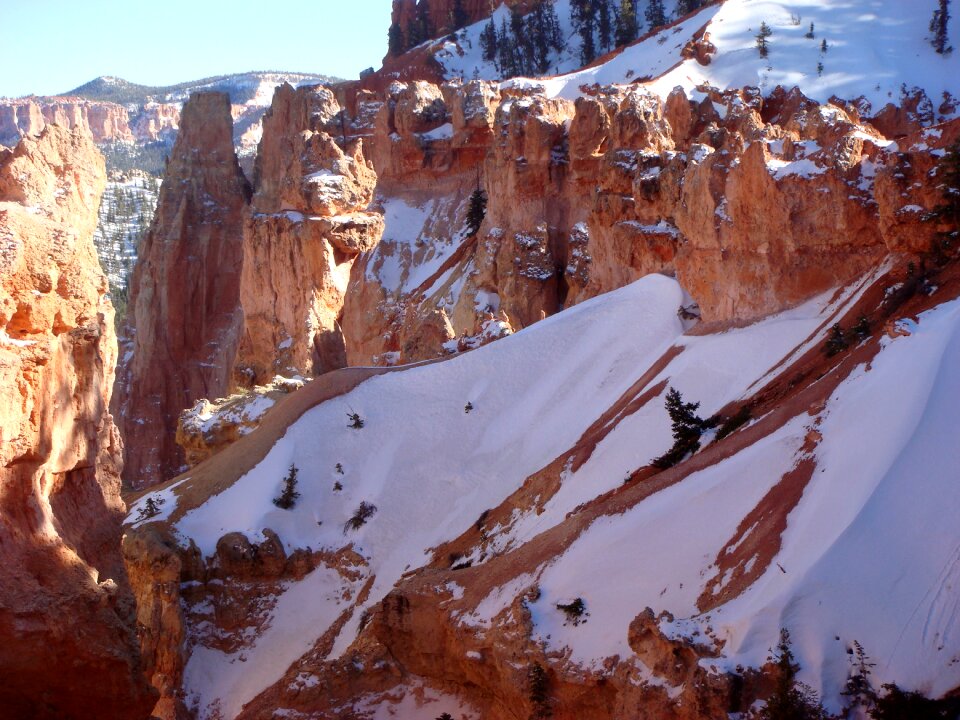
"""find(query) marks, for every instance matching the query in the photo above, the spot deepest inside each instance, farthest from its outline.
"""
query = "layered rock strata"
(67, 642)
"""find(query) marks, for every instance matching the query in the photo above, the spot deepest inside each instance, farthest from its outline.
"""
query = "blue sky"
(51, 46)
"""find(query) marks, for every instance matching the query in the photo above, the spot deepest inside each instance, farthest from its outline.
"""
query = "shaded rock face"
(67, 645)
(185, 320)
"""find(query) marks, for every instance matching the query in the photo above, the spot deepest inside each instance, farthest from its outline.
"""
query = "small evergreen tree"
(477, 211)
(488, 41)
(506, 51)
(584, 20)
(836, 341)
(790, 700)
(627, 25)
(686, 426)
(655, 14)
(360, 516)
(151, 508)
(763, 46)
(445, 716)
(604, 24)
(858, 687)
(356, 422)
(468, 407)
(938, 28)
(288, 496)
(810, 35)
(823, 46)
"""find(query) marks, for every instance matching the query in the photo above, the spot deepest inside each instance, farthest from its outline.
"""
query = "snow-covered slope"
(862, 476)
(876, 49)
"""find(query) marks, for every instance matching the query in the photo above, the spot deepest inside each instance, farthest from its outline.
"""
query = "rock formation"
(106, 121)
(185, 292)
(307, 223)
(67, 642)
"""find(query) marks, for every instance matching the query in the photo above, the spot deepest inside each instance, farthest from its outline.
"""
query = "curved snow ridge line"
(221, 471)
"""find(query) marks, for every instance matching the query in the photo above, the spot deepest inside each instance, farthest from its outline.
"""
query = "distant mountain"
(244, 88)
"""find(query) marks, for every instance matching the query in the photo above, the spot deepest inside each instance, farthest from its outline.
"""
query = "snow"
(875, 49)
(213, 677)
(413, 418)
(855, 563)
(416, 242)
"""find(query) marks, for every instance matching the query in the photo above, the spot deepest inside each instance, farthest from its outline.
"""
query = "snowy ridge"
(876, 50)
(850, 563)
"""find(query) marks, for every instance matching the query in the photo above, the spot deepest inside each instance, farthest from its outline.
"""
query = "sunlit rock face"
(67, 643)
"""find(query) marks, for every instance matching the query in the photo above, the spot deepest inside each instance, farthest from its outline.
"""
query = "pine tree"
(686, 426)
(604, 24)
(938, 27)
(506, 51)
(288, 496)
(790, 700)
(539, 32)
(395, 40)
(655, 14)
(488, 41)
(810, 34)
(420, 28)
(823, 46)
(523, 44)
(858, 687)
(836, 341)
(627, 26)
(762, 45)
(477, 211)
(583, 17)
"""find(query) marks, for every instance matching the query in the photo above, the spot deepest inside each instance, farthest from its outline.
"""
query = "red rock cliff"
(185, 291)
(67, 645)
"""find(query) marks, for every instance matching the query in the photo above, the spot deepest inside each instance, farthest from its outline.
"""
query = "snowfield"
(871, 552)
(875, 49)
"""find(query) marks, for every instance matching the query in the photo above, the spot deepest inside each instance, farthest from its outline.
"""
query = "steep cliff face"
(185, 319)
(67, 643)
(105, 121)
(586, 196)
(307, 223)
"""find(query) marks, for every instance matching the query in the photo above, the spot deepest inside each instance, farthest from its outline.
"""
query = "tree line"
(522, 44)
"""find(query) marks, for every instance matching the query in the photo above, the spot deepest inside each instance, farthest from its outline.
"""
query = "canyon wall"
(105, 121)
(184, 297)
(67, 642)
(356, 248)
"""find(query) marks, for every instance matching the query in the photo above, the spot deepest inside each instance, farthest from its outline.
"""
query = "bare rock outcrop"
(306, 225)
(185, 292)
(67, 642)
(105, 121)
